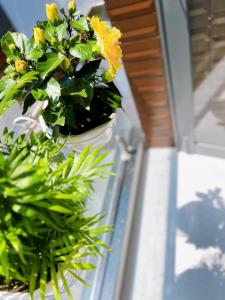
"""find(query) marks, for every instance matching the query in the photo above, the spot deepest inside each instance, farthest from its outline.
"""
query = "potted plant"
(61, 68)
(45, 231)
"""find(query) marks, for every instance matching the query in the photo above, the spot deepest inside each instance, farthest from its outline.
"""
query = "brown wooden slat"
(140, 33)
(143, 54)
(119, 3)
(146, 72)
(160, 142)
(130, 24)
(137, 45)
(152, 98)
(144, 65)
(155, 132)
(164, 123)
(131, 9)
(154, 89)
(149, 81)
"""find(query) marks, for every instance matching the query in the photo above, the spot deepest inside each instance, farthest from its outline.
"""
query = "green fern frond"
(44, 227)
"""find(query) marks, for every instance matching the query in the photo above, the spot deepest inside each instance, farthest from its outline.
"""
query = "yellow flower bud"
(8, 60)
(53, 41)
(20, 66)
(12, 47)
(38, 35)
(66, 64)
(72, 6)
(52, 12)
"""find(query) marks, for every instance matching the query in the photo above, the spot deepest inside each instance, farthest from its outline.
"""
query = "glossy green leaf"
(61, 31)
(32, 52)
(51, 62)
(81, 24)
(53, 90)
(40, 95)
(19, 39)
(80, 90)
(11, 93)
(89, 69)
(82, 51)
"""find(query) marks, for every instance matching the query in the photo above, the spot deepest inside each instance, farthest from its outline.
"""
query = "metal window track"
(112, 276)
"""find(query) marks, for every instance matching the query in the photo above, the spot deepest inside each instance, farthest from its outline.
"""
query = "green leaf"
(79, 278)
(65, 285)
(74, 40)
(54, 115)
(49, 30)
(40, 95)
(110, 95)
(51, 62)
(61, 31)
(31, 213)
(89, 69)
(9, 69)
(31, 50)
(58, 208)
(54, 282)
(80, 160)
(79, 266)
(43, 279)
(53, 90)
(70, 118)
(80, 90)
(6, 40)
(16, 244)
(33, 277)
(19, 39)
(13, 92)
(82, 51)
(4, 257)
(5, 85)
(81, 24)
(94, 46)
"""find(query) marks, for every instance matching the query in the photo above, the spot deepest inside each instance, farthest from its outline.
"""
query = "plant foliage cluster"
(44, 227)
(61, 64)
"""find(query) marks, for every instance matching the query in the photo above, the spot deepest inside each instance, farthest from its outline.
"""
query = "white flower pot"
(98, 136)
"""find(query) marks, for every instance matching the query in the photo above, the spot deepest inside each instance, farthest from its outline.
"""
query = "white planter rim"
(91, 134)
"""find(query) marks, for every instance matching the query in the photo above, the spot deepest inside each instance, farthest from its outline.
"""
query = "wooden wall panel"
(143, 60)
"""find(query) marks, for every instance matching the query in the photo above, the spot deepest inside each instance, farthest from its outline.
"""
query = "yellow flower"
(20, 66)
(65, 64)
(12, 47)
(72, 6)
(52, 12)
(108, 41)
(38, 35)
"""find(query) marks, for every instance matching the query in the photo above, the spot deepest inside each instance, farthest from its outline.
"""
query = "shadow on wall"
(203, 223)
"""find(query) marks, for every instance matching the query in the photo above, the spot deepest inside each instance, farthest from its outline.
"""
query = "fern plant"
(44, 227)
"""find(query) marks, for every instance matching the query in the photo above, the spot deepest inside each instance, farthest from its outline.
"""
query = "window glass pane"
(207, 23)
